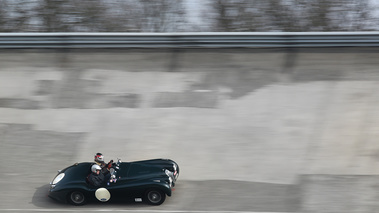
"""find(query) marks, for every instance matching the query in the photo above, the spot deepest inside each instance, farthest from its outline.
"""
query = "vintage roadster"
(149, 181)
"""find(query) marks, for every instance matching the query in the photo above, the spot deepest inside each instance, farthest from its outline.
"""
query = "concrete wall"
(306, 118)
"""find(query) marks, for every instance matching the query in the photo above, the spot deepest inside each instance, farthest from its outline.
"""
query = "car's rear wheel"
(77, 198)
(155, 197)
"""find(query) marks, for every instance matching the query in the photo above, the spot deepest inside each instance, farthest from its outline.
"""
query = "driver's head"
(95, 168)
(99, 157)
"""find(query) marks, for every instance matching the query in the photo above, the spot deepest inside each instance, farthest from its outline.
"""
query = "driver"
(99, 160)
(96, 177)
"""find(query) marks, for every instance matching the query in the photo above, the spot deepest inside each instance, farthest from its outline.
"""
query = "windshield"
(119, 170)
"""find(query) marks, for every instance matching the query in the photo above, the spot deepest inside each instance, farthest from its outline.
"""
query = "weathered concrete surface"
(340, 193)
(259, 120)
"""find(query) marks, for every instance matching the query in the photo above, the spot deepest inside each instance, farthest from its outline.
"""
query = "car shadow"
(40, 199)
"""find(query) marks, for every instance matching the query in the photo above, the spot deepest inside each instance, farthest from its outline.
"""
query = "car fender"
(162, 186)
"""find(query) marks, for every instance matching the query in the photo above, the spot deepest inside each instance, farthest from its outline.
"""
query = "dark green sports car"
(148, 180)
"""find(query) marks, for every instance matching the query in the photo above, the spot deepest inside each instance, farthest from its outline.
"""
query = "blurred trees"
(149, 16)
(67, 15)
(171, 15)
(14, 17)
(92, 16)
(294, 15)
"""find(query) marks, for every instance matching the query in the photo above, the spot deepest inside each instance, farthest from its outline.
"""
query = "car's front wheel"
(77, 198)
(155, 197)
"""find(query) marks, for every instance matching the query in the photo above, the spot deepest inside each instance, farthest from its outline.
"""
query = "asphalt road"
(252, 131)
(33, 166)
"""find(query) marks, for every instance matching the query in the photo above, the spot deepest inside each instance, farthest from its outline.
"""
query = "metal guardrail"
(188, 40)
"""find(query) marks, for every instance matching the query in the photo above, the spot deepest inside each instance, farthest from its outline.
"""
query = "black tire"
(77, 198)
(155, 197)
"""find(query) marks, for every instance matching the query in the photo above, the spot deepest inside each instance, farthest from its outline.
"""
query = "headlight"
(58, 178)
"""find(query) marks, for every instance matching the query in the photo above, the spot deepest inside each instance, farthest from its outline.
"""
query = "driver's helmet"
(95, 167)
(99, 157)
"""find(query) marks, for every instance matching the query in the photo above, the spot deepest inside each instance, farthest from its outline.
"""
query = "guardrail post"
(290, 55)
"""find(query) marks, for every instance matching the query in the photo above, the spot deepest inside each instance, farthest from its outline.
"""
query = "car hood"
(144, 168)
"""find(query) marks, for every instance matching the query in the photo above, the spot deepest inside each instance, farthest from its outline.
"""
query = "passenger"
(99, 160)
(96, 178)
